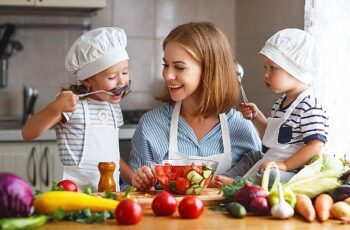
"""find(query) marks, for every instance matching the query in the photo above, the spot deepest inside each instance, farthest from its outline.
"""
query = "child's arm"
(299, 158)
(40, 122)
(126, 172)
(251, 112)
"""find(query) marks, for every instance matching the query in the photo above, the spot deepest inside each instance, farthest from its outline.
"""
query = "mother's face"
(181, 72)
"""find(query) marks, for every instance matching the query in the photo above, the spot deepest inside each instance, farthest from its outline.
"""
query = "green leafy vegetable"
(82, 216)
(87, 190)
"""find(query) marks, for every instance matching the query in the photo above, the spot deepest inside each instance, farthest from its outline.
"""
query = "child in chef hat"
(297, 128)
(87, 126)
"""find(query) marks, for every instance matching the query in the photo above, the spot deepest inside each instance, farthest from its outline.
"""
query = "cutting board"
(209, 196)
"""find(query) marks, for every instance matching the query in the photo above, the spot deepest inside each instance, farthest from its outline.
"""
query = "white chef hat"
(296, 52)
(95, 51)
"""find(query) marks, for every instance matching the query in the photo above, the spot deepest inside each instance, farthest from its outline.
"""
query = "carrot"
(305, 208)
(323, 205)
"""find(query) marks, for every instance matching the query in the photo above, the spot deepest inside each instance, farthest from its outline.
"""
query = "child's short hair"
(209, 46)
(96, 51)
(296, 52)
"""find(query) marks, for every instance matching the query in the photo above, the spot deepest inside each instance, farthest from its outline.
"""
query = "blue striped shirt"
(307, 122)
(150, 142)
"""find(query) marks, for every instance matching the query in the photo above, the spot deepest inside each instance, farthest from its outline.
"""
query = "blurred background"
(46, 33)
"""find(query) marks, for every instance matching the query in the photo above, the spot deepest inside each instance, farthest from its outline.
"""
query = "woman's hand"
(219, 180)
(143, 178)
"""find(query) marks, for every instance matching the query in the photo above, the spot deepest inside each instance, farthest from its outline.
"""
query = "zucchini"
(194, 176)
(48, 202)
(24, 223)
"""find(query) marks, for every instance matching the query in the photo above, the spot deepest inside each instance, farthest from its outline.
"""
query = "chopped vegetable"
(305, 208)
(16, 196)
(323, 205)
(25, 223)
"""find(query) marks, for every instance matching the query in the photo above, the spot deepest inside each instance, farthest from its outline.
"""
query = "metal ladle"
(240, 73)
(112, 92)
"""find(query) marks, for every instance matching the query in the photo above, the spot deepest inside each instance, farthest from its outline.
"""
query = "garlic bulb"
(282, 210)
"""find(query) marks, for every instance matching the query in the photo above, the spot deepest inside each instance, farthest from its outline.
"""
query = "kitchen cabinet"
(56, 3)
(37, 162)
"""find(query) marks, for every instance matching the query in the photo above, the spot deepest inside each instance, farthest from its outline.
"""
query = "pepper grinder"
(106, 182)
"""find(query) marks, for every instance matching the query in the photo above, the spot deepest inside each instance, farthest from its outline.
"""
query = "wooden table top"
(209, 220)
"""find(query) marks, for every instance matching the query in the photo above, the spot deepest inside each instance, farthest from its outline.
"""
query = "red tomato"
(191, 207)
(128, 212)
(181, 185)
(164, 204)
(68, 185)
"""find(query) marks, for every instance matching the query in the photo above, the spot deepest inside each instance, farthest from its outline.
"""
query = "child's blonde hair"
(209, 46)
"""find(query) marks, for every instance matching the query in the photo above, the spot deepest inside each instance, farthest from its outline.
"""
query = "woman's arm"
(126, 172)
(40, 122)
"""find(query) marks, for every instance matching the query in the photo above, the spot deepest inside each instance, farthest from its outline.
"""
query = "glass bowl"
(185, 176)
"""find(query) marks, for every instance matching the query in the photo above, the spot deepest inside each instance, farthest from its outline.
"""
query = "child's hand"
(66, 101)
(280, 165)
(219, 180)
(249, 110)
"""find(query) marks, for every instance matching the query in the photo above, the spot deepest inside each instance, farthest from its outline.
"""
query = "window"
(329, 22)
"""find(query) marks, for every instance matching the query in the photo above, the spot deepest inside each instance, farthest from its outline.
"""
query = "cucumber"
(192, 189)
(236, 210)
(194, 176)
(207, 173)
(197, 190)
(201, 184)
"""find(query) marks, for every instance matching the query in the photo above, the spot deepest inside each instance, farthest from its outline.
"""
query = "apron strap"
(225, 132)
(173, 129)
(86, 113)
(296, 102)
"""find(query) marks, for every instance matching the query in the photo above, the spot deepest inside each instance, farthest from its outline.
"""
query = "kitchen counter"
(209, 220)
(6, 135)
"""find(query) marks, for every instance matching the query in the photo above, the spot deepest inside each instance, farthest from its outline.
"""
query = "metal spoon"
(240, 73)
(112, 92)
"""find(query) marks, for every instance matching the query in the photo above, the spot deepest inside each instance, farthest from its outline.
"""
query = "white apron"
(101, 144)
(224, 159)
(277, 151)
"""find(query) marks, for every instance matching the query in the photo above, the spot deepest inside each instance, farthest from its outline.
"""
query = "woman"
(197, 119)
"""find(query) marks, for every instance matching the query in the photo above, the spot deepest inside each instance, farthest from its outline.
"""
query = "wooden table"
(209, 220)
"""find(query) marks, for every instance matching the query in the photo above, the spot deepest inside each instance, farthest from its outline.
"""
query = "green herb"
(82, 216)
(219, 208)
(110, 195)
(230, 190)
(87, 190)
(54, 187)
(37, 193)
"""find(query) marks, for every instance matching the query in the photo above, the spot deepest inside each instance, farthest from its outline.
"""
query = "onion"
(16, 196)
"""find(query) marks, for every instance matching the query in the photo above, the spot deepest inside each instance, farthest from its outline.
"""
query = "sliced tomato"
(181, 185)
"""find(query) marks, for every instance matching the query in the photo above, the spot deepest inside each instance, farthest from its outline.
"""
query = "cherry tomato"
(164, 204)
(191, 207)
(128, 212)
(68, 185)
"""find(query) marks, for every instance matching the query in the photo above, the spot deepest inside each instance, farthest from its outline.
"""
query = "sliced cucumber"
(189, 191)
(206, 167)
(197, 190)
(192, 189)
(207, 173)
(194, 176)
(201, 184)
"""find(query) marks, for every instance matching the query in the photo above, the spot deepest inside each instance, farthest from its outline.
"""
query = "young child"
(297, 127)
(87, 126)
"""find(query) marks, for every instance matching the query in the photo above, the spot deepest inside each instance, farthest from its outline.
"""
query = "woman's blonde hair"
(209, 46)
